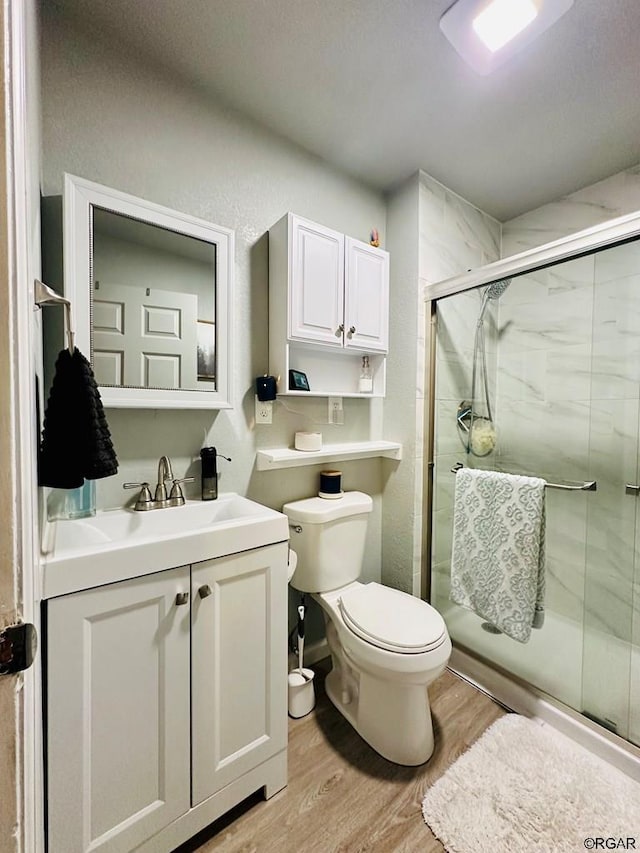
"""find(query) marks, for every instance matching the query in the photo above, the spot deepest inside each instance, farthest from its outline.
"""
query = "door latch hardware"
(18, 644)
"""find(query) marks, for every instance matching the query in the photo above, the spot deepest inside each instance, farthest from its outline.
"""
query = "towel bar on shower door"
(590, 486)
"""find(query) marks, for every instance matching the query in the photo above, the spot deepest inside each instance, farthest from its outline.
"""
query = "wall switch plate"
(264, 411)
(336, 412)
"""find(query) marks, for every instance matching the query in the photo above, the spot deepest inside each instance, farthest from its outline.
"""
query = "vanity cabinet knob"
(205, 591)
(631, 489)
(339, 330)
(352, 330)
(182, 598)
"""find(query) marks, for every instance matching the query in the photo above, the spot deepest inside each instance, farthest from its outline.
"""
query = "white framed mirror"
(151, 290)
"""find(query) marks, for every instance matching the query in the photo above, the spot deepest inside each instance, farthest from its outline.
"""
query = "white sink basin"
(123, 543)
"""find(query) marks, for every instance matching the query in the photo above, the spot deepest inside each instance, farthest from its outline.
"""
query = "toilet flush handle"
(297, 528)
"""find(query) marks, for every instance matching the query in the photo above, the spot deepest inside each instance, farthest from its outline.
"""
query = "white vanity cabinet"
(239, 640)
(166, 702)
(328, 306)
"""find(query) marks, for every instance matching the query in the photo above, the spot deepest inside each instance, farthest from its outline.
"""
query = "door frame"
(22, 205)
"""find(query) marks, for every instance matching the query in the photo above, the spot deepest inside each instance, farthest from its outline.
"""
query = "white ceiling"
(373, 87)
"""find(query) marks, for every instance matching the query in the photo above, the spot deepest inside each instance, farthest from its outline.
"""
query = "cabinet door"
(117, 713)
(316, 283)
(366, 309)
(239, 663)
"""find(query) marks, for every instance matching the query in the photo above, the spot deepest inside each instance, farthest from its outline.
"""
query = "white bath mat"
(523, 787)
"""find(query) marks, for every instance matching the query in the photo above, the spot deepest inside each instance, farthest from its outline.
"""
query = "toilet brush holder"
(302, 695)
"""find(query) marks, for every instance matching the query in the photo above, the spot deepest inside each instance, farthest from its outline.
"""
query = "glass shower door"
(611, 666)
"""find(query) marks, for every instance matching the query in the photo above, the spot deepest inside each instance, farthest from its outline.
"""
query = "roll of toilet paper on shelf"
(308, 441)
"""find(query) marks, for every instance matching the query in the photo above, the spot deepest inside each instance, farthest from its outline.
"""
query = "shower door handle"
(631, 489)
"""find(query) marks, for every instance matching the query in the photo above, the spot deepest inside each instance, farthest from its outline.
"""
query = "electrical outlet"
(264, 411)
(336, 412)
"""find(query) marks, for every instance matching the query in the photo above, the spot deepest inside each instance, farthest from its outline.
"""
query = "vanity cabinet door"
(366, 308)
(239, 665)
(117, 712)
(316, 295)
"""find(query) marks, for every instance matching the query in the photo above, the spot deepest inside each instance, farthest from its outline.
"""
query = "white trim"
(582, 242)
(526, 700)
(80, 195)
(22, 212)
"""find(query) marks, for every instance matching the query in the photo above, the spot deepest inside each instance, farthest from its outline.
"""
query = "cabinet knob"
(339, 330)
(631, 489)
(182, 598)
(352, 330)
(205, 591)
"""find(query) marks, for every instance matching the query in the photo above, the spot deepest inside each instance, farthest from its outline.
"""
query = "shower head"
(497, 288)
(493, 291)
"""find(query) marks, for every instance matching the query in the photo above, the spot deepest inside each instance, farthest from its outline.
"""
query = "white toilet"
(386, 646)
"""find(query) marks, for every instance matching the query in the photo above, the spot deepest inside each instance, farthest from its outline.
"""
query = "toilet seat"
(392, 620)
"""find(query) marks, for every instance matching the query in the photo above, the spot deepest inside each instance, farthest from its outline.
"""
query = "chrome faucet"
(165, 473)
(160, 499)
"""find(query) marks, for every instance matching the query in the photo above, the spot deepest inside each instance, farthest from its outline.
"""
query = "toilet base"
(395, 720)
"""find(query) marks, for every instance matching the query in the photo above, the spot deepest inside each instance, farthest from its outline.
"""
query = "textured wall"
(114, 120)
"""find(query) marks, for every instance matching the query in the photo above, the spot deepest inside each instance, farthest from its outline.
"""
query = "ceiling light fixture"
(502, 20)
(488, 32)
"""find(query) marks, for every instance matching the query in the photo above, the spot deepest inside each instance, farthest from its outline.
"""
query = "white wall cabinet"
(316, 282)
(166, 702)
(366, 304)
(328, 306)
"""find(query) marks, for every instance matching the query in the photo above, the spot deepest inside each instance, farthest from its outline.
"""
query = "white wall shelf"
(285, 457)
(348, 394)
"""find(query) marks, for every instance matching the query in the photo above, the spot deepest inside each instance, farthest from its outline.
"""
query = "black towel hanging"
(76, 442)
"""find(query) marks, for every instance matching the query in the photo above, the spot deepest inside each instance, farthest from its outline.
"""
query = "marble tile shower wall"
(568, 408)
(564, 349)
(608, 379)
(543, 408)
(615, 196)
(457, 318)
(454, 237)
(612, 605)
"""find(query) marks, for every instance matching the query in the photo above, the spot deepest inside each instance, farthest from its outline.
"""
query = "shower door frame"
(620, 230)
(506, 687)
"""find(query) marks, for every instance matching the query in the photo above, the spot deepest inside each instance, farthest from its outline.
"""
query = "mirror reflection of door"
(144, 338)
(153, 300)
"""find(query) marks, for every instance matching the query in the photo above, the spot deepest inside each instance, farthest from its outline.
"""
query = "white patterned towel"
(497, 560)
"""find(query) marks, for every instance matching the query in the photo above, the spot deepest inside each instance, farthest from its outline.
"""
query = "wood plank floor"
(343, 796)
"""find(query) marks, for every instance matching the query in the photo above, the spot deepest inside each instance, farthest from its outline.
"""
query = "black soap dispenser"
(209, 457)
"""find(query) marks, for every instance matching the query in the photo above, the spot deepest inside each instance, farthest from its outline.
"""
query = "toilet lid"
(391, 619)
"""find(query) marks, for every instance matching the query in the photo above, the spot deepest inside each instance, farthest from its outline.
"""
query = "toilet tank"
(330, 540)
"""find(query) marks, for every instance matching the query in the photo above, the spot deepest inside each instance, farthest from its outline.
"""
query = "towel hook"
(45, 295)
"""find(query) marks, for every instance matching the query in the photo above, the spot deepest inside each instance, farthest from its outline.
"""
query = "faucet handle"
(145, 501)
(176, 496)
